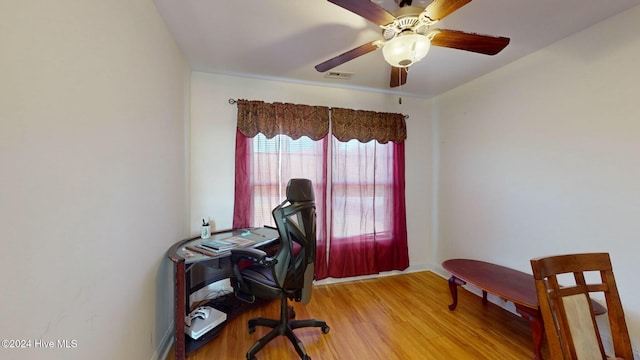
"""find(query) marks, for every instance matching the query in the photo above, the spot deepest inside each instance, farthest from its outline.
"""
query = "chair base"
(283, 327)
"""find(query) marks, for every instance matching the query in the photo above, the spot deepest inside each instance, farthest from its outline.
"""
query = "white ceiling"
(285, 39)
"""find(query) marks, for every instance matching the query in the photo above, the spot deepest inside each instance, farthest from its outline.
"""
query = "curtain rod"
(234, 101)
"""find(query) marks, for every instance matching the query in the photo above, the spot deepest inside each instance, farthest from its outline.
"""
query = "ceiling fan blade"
(367, 10)
(347, 56)
(439, 9)
(483, 44)
(398, 76)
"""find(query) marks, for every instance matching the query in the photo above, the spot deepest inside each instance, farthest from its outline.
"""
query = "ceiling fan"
(407, 35)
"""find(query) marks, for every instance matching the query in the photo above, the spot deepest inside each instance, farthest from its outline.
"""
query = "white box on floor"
(203, 319)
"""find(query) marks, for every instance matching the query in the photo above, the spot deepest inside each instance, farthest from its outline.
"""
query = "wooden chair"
(569, 321)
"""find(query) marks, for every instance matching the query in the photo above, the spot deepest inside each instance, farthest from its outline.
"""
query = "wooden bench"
(508, 284)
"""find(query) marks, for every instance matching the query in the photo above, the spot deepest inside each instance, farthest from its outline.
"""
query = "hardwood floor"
(396, 317)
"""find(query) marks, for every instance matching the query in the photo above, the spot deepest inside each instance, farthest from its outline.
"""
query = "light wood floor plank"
(396, 317)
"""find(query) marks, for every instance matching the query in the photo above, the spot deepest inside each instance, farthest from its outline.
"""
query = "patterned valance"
(365, 126)
(279, 118)
(313, 121)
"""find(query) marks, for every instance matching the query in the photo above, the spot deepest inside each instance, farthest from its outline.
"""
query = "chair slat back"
(569, 320)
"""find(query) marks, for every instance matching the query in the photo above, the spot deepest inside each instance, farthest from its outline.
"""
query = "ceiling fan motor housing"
(408, 18)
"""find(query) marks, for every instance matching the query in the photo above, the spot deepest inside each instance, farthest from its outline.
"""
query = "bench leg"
(454, 282)
(537, 330)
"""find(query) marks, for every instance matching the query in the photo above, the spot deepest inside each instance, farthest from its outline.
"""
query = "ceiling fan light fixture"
(406, 49)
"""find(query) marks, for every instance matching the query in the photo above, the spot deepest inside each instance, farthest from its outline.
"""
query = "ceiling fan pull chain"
(400, 82)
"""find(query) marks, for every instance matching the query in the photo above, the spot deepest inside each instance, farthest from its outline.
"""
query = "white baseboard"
(410, 269)
(165, 344)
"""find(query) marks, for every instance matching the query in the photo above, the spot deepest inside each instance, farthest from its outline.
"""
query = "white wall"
(213, 127)
(543, 157)
(94, 184)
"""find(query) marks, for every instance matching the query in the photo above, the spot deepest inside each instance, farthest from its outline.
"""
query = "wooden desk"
(508, 284)
(218, 267)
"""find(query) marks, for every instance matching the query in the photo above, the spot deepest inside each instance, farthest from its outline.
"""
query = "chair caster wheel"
(252, 329)
(325, 329)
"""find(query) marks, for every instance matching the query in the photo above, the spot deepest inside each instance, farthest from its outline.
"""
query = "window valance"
(365, 126)
(313, 121)
(280, 118)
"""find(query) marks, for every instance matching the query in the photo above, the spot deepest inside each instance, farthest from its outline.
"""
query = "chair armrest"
(253, 255)
(241, 258)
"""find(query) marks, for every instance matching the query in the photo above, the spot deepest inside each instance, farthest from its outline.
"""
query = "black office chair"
(288, 274)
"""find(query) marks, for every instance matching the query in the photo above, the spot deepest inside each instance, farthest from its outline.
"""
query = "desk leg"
(453, 287)
(537, 330)
(179, 310)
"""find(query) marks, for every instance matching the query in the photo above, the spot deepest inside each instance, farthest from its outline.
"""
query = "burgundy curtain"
(243, 193)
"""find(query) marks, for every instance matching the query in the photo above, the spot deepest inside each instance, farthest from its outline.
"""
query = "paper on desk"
(239, 241)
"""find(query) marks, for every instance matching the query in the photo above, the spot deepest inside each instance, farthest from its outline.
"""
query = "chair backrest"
(569, 320)
(295, 219)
